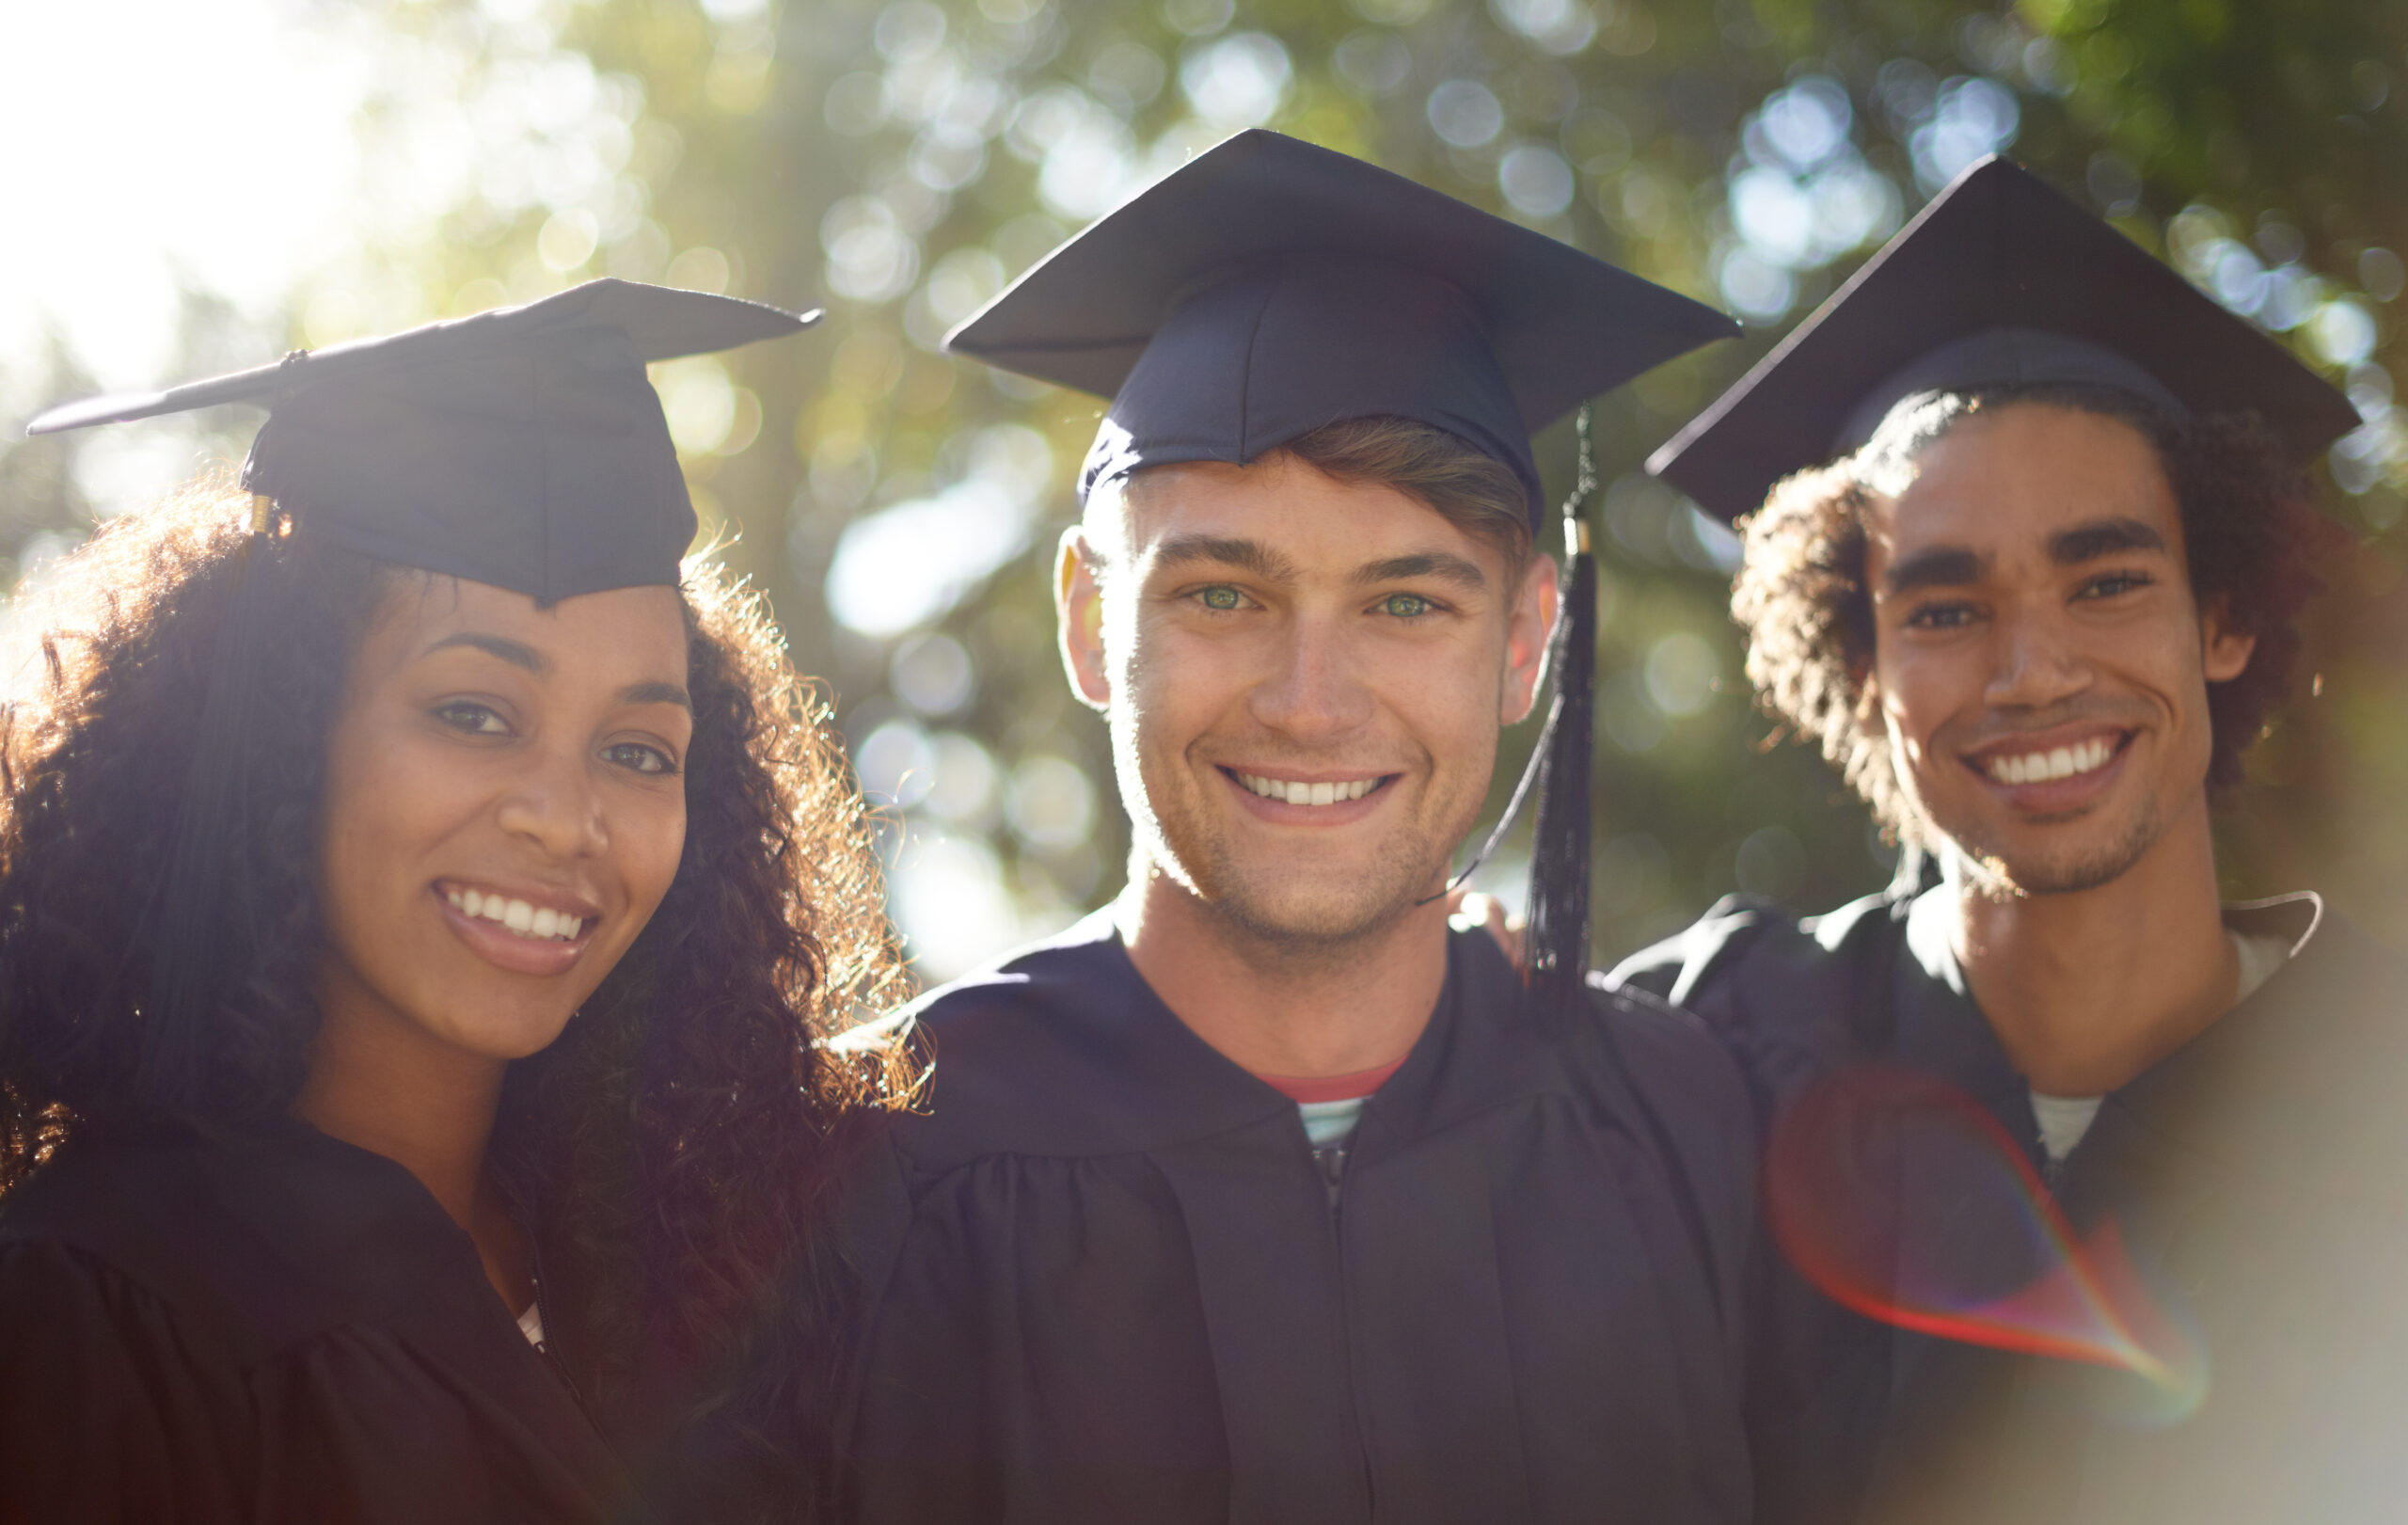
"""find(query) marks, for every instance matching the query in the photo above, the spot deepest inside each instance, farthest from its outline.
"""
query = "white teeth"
(541, 923)
(2047, 767)
(1308, 794)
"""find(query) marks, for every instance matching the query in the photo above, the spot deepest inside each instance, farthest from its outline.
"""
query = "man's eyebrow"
(1942, 566)
(2101, 537)
(657, 694)
(1225, 551)
(1443, 566)
(517, 653)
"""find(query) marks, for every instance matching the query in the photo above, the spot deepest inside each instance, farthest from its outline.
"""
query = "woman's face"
(505, 803)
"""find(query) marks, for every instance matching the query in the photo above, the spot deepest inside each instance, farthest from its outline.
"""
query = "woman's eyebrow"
(657, 694)
(517, 653)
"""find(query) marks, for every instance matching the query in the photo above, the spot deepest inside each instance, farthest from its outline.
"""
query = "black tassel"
(197, 918)
(1557, 936)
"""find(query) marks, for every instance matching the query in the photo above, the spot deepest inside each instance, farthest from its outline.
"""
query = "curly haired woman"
(422, 908)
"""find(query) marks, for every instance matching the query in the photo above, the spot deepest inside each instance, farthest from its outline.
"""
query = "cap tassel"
(192, 942)
(1557, 920)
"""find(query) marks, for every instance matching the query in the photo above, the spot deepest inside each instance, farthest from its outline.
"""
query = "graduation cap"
(2000, 281)
(1270, 287)
(523, 448)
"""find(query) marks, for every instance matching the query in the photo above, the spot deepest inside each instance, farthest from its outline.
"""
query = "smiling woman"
(416, 958)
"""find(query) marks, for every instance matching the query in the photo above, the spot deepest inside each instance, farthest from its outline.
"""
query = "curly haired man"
(2102, 1171)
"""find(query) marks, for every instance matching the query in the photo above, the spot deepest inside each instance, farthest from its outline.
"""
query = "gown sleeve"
(105, 1413)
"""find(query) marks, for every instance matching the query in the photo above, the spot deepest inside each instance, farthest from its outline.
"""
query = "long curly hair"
(2251, 532)
(671, 1152)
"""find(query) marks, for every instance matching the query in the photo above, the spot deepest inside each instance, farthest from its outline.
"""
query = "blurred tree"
(902, 160)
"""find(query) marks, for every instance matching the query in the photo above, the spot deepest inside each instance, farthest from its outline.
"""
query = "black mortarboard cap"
(522, 448)
(2000, 280)
(1270, 287)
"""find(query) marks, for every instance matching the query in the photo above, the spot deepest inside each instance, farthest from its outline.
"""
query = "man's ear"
(1526, 638)
(1078, 608)
(2223, 652)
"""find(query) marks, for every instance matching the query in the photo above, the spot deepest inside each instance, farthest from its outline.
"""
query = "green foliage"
(902, 160)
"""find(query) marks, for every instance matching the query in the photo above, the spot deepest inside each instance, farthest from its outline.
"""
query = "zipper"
(549, 1349)
(1333, 1160)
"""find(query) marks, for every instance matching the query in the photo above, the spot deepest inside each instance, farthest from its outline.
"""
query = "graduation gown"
(1116, 1286)
(2258, 1180)
(285, 1328)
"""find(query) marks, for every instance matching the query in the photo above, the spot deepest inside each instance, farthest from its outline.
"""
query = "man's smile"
(1292, 797)
(1303, 791)
(2052, 770)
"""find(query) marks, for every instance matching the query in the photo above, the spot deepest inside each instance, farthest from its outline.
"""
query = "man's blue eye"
(1220, 598)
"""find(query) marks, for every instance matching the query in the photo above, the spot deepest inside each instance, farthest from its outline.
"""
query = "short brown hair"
(2250, 528)
(1475, 492)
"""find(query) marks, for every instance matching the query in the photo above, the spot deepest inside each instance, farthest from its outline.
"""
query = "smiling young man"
(1259, 1196)
(2034, 613)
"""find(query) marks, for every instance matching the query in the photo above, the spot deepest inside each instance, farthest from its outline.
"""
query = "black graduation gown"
(1115, 1286)
(285, 1328)
(2258, 1178)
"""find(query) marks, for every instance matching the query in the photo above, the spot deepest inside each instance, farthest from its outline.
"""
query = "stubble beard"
(1289, 914)
(2071, 872)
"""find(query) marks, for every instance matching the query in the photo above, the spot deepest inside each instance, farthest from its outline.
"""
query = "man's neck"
(2088, 988)
(1280, 1006)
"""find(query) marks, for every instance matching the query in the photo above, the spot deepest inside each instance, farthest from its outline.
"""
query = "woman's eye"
(471, 717)
(637, 758)
(1222, 600)
(1405, 605)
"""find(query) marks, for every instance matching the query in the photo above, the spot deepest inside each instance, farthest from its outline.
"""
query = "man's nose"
(1314, 692)
(2037, 660)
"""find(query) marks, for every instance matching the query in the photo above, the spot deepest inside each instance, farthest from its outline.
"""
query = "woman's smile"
(524, 933)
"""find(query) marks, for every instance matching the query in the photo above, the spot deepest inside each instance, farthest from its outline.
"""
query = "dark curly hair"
(671, 1152)
(2250, 532)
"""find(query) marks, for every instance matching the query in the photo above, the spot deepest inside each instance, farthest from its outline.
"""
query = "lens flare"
(1900, 1197)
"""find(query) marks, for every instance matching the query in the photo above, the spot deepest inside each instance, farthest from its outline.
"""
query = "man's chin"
(1307, 919)
(2024, 868)
(1322, 908)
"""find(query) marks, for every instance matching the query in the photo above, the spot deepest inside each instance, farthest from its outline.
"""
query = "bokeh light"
(204, 186)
